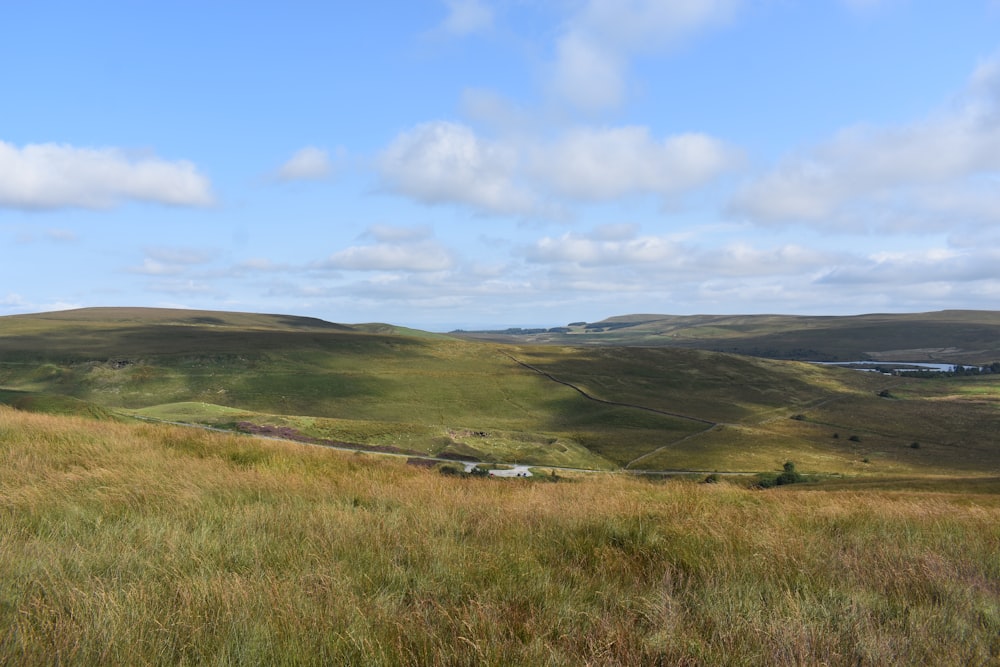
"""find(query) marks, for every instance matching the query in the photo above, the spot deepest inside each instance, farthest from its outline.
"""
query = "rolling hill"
(950, 336)
(595, 407)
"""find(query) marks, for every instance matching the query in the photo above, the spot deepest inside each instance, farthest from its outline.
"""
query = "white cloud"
(585, 250)
(392, 257)
(170, 261)
(742, 259)
(920, 171)
(592, 54)
(46, 176)
(623, 257)
(186, 287)
(609, 163)
(307, 164)
(395, 249)
(446, 162)
(467, 16)
(152, 267)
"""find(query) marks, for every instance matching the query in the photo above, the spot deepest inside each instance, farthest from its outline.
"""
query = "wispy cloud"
(394, 249)
(933, 172)
(593, 53)
(307, 164)
(170, 261)
(467, 16)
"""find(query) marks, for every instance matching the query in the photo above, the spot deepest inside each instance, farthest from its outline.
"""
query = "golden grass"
(145, 544)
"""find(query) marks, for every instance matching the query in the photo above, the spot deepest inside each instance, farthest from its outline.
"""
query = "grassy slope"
(952, 336)
(148, 544)
(437, 395)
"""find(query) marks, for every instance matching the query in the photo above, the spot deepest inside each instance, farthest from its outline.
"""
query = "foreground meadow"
(146, 544)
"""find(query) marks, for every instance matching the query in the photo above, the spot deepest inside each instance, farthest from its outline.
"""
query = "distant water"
(902, 366)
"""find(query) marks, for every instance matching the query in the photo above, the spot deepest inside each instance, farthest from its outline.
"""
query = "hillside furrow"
(595, 399)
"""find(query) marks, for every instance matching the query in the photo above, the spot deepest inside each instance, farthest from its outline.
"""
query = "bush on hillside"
(450, 469)
(788, 476)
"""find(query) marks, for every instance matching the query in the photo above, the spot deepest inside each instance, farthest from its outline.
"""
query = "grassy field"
(149, 544)
(377, 386)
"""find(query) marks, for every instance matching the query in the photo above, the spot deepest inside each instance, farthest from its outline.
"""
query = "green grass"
(376, 386)
(149, 544)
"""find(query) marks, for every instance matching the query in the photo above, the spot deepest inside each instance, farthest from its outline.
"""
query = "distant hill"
(169, 316)
(950, 336)
(377, 387)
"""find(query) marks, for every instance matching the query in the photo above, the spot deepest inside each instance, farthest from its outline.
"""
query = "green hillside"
(595, 407)
(951, 336)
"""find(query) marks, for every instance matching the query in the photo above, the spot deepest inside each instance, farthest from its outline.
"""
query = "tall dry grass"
(126, 544)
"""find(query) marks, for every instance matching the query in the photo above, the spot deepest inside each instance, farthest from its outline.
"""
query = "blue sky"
(477, 163)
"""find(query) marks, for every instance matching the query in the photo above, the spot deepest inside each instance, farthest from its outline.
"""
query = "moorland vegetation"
(852, 518)
(125, 543)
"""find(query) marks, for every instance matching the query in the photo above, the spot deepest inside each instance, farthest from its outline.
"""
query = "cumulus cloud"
(609, 163)
(307, 164)
(442, 162)
(449, 163)
(467, 16)
(922, 170)
(395, 249)
(48, 176)
(591, 56)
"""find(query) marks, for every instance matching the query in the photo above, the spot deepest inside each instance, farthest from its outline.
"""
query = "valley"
(600, 407)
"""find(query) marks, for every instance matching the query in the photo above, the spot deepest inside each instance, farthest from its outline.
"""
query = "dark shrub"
(788, 476)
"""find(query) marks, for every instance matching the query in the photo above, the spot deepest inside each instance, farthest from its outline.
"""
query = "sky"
(472, 164)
